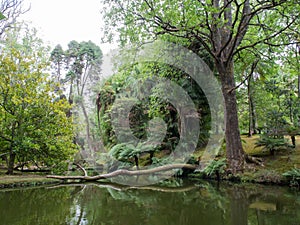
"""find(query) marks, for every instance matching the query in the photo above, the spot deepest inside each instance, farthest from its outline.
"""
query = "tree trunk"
(298, 68)
(11, 163)
(87, 124)
(254, 118)
(70, 98)
(250, 128)
(298, 86)
(12, 154)
(136, 160)
(234, 150)
(252, 113)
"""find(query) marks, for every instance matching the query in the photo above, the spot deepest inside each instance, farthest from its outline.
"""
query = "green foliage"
(2, 17)
(272, 144)
(153, 106)
(123, 152)
(77, 69)
(293, 176)
(228, 31)
(33, 121)
(215, 168)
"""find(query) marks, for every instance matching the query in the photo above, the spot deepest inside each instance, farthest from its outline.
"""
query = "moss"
(274, 166)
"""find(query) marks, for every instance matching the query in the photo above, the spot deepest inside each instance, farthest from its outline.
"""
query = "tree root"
(255, 160)
(125, 172)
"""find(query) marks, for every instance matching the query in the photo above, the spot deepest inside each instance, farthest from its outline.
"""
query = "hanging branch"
(11, 9)
(254, 64)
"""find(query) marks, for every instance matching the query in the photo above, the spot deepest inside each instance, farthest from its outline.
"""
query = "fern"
(215, 167)
(272, 144)
(293, 176)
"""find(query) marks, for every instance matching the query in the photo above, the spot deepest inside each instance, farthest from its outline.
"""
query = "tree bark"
(252, 113)
(234, 149)
(12, 154)
(11, 163)
(298, 68)
(250, 128)
(87, 124)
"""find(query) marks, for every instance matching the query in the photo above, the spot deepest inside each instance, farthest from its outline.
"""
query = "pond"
(173, 202)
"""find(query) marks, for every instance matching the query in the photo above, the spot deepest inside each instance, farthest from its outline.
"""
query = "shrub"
(215, 168)
(272, 144)
(293, 176)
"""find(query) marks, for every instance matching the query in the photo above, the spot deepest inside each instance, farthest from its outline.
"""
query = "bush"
(215, 168)
(272, 144)
(293, 176)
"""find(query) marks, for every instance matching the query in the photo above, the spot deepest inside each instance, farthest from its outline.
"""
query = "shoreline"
(30, 180)
(20, 181)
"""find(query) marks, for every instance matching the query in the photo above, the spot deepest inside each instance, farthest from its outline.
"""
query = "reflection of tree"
(117, 204)
(35, 206)
(180, 203)
(259, 204)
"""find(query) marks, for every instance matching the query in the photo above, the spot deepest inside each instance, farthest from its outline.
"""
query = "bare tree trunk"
(299, 86)
(298, 68)
(234, 150)
(11, 163)
(12, 154)
(70, 98)
(87, 124)
(252, 113)
(254, 118)
(250, 128)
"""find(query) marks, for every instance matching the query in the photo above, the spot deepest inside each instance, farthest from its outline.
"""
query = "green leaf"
(2, 16)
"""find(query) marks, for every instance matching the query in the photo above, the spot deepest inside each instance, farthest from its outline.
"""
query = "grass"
(274, 166)
(271, 172)
(23, 179)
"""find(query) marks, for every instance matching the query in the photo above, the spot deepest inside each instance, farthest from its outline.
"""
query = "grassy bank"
(269, 173)
(273, 165)
(23, 180)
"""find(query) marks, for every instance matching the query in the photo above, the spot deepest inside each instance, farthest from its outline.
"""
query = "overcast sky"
(60, 21)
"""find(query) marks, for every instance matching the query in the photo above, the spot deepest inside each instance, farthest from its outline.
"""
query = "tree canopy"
(223, 29)
(34, 125)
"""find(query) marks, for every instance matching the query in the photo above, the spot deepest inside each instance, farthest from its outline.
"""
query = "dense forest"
(58, 110)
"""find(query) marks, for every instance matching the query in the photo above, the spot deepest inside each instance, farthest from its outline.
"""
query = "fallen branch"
(125, 172)
(81, 168)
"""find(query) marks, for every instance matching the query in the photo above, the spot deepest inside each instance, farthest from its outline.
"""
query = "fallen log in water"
(125, 172)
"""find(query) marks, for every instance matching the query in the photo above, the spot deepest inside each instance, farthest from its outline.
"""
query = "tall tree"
(33, 123)
(221, 27)
(77, 68)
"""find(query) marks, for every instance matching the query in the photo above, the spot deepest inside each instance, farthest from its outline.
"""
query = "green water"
(177, 203)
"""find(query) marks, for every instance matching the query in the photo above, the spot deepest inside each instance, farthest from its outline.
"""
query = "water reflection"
(178, 203)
